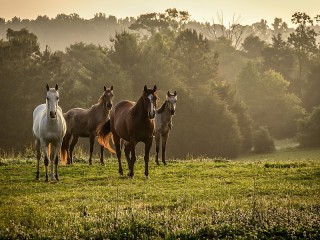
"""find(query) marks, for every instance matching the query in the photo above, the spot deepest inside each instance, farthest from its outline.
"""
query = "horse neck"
(139, 111)
(99, 110)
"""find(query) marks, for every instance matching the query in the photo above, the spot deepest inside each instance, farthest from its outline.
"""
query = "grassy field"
(253, 197)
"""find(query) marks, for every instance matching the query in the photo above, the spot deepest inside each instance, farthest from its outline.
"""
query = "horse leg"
(73, 143)
(101, 155)
(133, 159)
(52, 158)
(148, 145)
(127, 152)
(116, 139)
(164, 143)
(66, 145)
(92, 136)
(37, 143)
(56, 161)
(45, 149)
(157, 137)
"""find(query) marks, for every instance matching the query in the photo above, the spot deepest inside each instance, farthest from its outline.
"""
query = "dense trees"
(228, 99)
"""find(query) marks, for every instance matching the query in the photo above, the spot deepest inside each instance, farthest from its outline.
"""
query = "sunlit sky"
(250, 11)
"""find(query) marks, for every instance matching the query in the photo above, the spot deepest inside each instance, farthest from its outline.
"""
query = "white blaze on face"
(152, 112)
(52, 102)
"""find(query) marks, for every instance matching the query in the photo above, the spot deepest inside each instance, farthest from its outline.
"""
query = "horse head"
(107, 97)
(52, 101)
(149, 97)
(172, 101)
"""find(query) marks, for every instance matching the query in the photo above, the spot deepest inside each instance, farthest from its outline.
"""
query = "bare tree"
(234, 31)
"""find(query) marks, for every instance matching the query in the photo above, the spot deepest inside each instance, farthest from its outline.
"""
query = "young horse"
(84, 123)
(132, 122)
(163, 123)
(49, 128)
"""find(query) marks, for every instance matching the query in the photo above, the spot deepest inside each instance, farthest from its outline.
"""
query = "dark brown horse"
(132, 122)
(84, 123)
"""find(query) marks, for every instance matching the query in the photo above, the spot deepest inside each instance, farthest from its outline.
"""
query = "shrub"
(309, 130)
(262, 141)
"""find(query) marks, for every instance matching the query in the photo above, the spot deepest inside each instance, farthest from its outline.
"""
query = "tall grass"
(262, 197)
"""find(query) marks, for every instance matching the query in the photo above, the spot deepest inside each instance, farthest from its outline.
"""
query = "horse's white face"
(152, 111)
(52, 101)
(172, 102)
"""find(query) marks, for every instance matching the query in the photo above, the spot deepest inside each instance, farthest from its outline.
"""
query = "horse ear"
(47, 87)
(111, 88)
(104, 88)
(145, 88)
(155, 88)
(56, 87)
(168, 94)
(175, 93)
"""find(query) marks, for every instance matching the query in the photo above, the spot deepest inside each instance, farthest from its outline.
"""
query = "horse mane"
(162, 108)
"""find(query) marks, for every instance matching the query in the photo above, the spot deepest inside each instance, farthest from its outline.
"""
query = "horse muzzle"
(151, 115)
(53, 114)
(109, 106)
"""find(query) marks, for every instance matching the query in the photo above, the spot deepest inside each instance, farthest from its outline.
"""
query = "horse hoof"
(157, 162)
(90, 163)
(164, 163)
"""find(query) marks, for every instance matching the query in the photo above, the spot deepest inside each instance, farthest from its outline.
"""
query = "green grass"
(256, 196)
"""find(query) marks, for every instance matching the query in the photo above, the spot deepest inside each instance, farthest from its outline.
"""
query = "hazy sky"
(251, 11)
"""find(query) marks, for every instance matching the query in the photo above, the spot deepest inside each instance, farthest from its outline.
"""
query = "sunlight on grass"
(256, 196)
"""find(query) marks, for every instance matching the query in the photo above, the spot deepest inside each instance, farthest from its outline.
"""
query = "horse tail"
(64, 151)
(104, 135)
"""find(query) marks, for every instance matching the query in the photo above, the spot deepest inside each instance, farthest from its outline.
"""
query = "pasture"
(257, 196)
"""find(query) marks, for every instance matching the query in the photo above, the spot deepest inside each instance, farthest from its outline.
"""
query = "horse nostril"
(53, 114)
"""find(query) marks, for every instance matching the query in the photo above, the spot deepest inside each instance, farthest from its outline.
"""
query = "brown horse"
(84, 123)
(132, 122)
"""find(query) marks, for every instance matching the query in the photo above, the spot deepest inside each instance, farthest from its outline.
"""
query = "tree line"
(230, 98)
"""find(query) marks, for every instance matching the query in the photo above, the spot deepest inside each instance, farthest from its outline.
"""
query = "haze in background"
(251, 11)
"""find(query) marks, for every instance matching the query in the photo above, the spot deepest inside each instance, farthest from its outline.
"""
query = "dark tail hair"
(104, 135)
(64, 150)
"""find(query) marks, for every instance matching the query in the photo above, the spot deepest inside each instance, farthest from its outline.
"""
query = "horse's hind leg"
(164, 143)
(116, 140)
(73, 143)
(45, 149)
(101, 155)
(37, 144)
(127, 151)
(157, 138)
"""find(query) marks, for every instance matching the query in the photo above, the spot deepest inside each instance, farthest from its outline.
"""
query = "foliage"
(262, 141)
(262, 92)
(195, 199)
(253, 46)
(309, 130)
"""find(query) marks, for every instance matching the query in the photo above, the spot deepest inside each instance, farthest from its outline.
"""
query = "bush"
(262, 141)
(309, 130)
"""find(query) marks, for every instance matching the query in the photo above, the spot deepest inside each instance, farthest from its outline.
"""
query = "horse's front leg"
(132, 146)
(164, 143)
(56, 161)
(157, 138)
(92, 136)
(148, 145)
(37, 144)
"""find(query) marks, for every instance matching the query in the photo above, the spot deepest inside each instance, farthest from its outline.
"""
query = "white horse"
(49, 128)
(163, 123)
